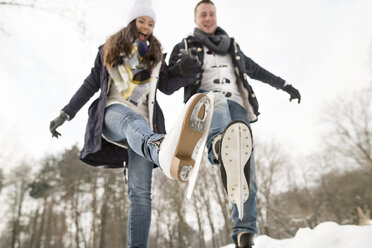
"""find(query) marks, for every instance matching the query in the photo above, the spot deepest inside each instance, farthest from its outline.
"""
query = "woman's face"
(145, 26)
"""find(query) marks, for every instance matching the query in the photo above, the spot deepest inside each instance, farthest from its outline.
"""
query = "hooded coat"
(96, 150)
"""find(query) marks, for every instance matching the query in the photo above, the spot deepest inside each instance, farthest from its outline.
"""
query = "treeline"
(61, 202)
(69, 204)
(66, 203)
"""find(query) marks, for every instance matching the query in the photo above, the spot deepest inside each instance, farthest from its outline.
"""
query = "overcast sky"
(322, 47)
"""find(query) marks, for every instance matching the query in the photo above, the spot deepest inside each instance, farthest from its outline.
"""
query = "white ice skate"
(235, 152)
(199, 150)
(176, 149)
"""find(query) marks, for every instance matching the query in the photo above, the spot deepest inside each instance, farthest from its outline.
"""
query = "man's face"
(205, 18)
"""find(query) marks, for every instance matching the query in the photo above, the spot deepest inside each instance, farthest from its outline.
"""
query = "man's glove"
(293, 92)
(188, 64)
(58, 121)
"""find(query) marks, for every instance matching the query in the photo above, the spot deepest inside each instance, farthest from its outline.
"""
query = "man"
(210, 60)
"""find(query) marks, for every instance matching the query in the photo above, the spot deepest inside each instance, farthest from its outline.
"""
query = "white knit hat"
(141, 8)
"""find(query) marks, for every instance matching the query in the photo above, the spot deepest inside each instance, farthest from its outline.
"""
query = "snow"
(325, 235)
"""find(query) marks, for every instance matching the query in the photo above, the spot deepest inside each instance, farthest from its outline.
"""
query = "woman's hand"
(58, 121)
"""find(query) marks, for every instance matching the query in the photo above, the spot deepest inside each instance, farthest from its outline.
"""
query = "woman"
(126, 125)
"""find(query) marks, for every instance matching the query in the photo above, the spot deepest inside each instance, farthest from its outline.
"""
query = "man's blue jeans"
(122, 124)
(224, 112)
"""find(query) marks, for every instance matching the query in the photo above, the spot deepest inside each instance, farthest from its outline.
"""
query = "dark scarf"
(218, 43)
(139, 73)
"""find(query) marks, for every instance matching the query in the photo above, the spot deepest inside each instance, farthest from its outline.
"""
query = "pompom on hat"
(141, 8)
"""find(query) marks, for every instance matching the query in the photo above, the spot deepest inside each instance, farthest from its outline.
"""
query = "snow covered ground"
(325, 235)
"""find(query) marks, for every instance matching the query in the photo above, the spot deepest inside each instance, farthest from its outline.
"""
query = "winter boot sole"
(235, 152)
(195, 125)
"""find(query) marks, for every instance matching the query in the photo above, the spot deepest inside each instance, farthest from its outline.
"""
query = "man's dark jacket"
(244, 67)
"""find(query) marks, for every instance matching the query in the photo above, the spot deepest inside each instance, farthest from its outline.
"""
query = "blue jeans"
(122, 124)
(224, 112)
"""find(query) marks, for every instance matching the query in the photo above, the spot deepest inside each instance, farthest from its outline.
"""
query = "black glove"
(58, 121)
(293, 92)
(189, 66)
(188, 63)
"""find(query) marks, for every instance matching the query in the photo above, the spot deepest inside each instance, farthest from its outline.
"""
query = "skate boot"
(176, 149)
(235, 151)
(245, 240)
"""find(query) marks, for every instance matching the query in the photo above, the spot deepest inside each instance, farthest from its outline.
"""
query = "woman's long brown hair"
(122, 42)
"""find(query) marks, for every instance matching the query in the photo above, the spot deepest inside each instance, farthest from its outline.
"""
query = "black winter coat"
(97, 151)
(244, 67)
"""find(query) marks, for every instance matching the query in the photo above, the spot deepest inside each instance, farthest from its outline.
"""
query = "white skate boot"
(177, 147)
(234, 156)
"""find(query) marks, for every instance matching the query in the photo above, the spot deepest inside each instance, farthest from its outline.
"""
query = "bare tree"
(199, 218)
(1, 179)
(271, 165)
(203, 201)
(350, 121)
(94, 211)
(17, 183)
(224, 204)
